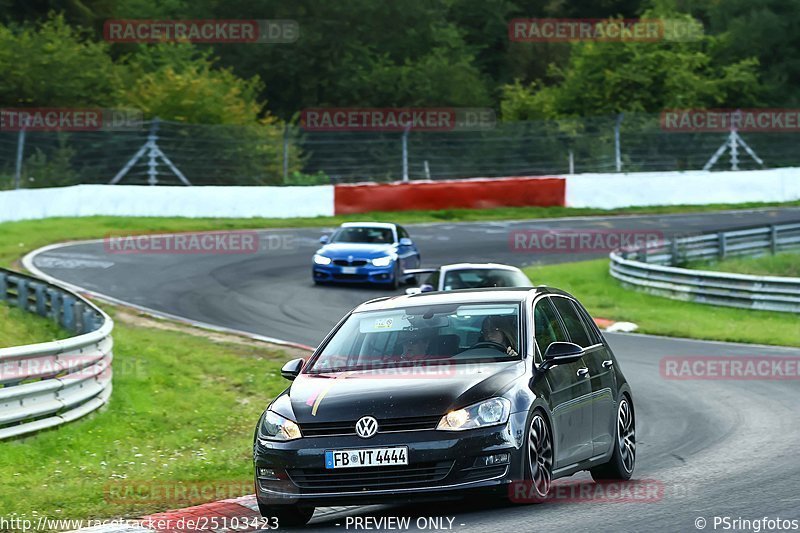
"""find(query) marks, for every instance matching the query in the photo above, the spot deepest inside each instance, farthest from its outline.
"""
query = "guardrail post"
(773, 239)
(22, 294)
(68, 315)
(722, 245)
(88, 321)
(673, 252)
(3, 287)
(79, 309)
(41, 298)
(55, 305)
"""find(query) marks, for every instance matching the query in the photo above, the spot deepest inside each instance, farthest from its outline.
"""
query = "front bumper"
(441, 465)
(360, 274)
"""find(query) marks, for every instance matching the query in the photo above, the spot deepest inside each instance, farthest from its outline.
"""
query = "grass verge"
(183, 410)
(784, 264)
(18, 327)
(605, 297)
(16, 238)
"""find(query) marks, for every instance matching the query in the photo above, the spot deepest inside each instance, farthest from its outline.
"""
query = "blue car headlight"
(492, 412)
(322, 260)
(383, 261)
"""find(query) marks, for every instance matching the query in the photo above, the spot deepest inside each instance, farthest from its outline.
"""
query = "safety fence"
(658, 268)
(48, 384)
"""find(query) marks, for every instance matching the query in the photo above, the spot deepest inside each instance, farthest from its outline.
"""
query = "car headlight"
(322, 260)
(276, 427)
(383, 261)
(491, 412)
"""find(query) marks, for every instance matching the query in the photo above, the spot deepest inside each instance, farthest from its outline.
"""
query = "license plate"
(366, 457)
(349, 270)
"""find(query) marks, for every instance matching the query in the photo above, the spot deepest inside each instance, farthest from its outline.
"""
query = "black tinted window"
(402, 233)
(572, 321)
(588, 323)
(546, 325)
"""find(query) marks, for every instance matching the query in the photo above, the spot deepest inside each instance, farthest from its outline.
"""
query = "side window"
(402, 233)
(572, 321)
(546, 326)
(591, 328)
(433, 280)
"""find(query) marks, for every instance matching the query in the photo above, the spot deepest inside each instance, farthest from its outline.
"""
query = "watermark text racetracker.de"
(201, 31)
(730, 368)
(581, 240)
(213, 242)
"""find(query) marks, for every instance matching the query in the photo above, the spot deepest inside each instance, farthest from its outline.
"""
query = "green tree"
(604, 78)
(55, 65)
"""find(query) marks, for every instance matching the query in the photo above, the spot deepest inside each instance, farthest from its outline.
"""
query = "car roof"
(478, 266)
(484, 295)
(368, 225)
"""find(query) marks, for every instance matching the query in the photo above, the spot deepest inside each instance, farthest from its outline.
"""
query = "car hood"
(393, 393)
(357, 250)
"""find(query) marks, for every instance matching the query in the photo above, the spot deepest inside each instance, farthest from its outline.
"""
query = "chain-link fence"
(275, 155)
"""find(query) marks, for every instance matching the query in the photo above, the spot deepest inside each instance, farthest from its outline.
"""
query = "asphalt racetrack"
(724, 448)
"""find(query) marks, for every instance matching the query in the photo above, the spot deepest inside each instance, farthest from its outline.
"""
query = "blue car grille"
(345, 262)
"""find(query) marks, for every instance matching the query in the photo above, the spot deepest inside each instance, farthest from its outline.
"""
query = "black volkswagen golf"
(441, 394)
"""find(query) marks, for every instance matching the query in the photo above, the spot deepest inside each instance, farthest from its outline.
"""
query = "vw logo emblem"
(349, 258)
(366, 427)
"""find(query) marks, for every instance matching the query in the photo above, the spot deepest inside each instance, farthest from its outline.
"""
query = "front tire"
(539, 458)
(396, 281)
(287, 515)
(623, 459)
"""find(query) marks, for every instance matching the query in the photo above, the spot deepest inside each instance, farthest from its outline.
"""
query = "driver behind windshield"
(500, 330)
(416, 343)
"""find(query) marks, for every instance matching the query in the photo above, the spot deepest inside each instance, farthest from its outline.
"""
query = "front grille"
(325, 429)
(345, 262)
(381, 477)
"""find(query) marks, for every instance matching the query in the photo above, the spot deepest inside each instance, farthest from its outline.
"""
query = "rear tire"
(287, 515)
(623, 460)
(396, 281)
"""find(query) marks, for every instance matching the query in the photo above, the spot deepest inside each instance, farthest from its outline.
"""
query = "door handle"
(608, 364)
(583, 372)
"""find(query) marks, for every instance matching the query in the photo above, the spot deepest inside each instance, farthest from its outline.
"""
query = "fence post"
(20, 150)
(405, 152)
(152, 164)
(285, 152)
(68, 315)
(3, 287)
(721, 245)
(673, 252)
(617, 148)
(571, 162)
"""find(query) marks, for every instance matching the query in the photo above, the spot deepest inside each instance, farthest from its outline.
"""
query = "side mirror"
(561, 353)
(426, 288)
(413, 290)
(405, 241)
(323, 239)
(291, 369)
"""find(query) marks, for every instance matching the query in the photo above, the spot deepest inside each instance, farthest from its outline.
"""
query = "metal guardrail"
(654, 268)
(48, 384)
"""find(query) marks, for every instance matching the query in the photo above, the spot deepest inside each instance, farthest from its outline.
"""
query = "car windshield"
(369, 235)
(449, 333)
(484, 277)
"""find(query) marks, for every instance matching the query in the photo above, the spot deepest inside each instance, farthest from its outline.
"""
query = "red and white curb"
(223, 516)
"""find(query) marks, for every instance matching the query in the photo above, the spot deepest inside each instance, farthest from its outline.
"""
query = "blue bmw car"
(366, 252)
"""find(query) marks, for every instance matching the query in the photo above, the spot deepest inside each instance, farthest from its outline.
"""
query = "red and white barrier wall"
(605, 191)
